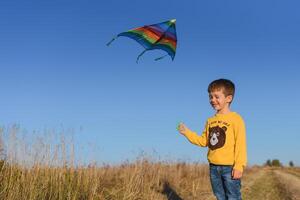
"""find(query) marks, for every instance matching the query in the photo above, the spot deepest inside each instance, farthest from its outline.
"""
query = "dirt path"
(295, 172)
(268, 184)
(291, 183)
(267, 187)
(249, 179)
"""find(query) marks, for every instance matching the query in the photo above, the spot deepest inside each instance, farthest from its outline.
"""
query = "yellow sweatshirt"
(225, 136)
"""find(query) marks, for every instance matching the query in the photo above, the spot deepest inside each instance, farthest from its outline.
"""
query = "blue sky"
(56, 71)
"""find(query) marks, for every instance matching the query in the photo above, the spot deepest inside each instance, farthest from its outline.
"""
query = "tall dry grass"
(35, 167)
(139, 180)
(40, 170)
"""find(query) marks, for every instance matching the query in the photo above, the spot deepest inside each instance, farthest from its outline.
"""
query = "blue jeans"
(224, 187)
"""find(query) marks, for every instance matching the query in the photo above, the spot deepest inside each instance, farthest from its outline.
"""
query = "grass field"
(41, 171)
(140, 180)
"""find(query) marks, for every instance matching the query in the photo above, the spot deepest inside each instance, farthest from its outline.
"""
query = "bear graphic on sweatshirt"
(216, 137)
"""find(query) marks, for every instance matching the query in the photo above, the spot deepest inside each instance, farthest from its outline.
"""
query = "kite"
(156, 36)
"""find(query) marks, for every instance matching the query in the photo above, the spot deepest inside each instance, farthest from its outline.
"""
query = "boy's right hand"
(182, 128)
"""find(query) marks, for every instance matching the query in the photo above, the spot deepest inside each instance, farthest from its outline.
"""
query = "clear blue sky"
(57, 71)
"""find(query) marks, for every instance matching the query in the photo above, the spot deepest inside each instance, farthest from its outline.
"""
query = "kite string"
(111, 41)
(137, 59)
(159, 58)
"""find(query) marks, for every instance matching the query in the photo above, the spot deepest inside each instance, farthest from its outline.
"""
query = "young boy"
(225, 136)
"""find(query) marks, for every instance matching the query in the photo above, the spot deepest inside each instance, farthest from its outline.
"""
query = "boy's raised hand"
(182, 128)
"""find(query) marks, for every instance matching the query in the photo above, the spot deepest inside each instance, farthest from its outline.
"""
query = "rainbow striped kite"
(156, 36)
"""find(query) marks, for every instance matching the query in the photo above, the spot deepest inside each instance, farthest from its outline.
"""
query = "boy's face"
(218, 100)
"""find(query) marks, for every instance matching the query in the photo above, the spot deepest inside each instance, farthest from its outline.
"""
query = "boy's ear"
(229, 98)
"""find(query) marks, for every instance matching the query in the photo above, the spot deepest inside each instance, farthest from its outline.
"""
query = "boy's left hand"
(236, 174)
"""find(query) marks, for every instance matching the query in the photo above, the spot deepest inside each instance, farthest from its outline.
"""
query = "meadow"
(56, 177)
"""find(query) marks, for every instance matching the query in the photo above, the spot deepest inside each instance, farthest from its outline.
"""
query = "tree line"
(277, 163)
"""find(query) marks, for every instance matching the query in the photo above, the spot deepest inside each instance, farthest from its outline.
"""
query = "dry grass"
(140, 180)
(46, 170)
(290, 182)
(267, 187)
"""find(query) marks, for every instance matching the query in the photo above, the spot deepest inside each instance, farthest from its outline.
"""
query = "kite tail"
(159, 58)
(137, 59)
(111, 41)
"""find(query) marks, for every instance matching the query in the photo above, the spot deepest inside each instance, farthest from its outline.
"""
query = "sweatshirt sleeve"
(240, 155)
(194, 138)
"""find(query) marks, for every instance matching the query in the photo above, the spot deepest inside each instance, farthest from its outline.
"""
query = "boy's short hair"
(225, 84)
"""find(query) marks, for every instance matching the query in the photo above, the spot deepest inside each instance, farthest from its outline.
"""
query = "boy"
(225, 136)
